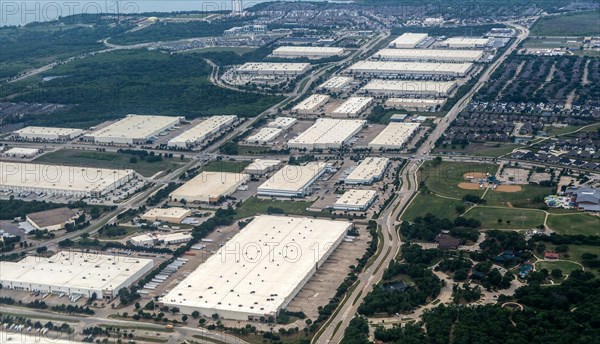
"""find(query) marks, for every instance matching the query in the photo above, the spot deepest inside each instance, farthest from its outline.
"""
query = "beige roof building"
(171, 215)
(53, 219)
(327, 133)
(408, 40)
(261, 167)
(394, 136)
(208, 187)
(355, 200)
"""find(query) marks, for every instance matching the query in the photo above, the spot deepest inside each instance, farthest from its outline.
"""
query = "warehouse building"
(133, 129)
(394, 136)
(355, 200)
(146, 239)
(171, 215)
(429, 55)
(282, 123)
(353, 107)
(209, 187)
(368, 171)
(465, 42)
(199, 133)
(264, 136)
(46, 134)
(415, 104)
(382, 87)
(260, 167)
(311, 105)
(175, 238)
(67, 181)
(272, 68)
(336, 83)
(73, 273)
(260, 270)
(18, 152)
(292, 181)
(410, 69)
(310, 52)
(327, 133)
(53, 219)
(408, 40)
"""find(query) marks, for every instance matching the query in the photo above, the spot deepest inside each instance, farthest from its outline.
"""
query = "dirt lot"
(474, 175)
(515, 175)
(469, 186)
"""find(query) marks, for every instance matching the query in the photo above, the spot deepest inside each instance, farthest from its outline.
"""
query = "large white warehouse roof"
(336, 83)
(260, 270)
(394, 136)
(355, 200)
(200, 132)
(294, 51)
(411, 68)
(209, 186)
(292, 181)
(408, 40)
(409, 87)
(353, 106)
(282, 122)
(368, 171)
(327, 133)
(466, 42)
(134, 128)
(429, 55)
(264, 135)
(47, 133)
(273, 68)
(311, 103)
(74, 272)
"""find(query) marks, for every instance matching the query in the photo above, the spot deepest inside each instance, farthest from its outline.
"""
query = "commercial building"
(53, 219)
(133, 129)
(368, 171)
(415, 104)
(587, 199)
(171, 215)
(46, 134)
(147, 239)
(327, 133)
(209, 187)
(260, 167)
(67, 181)
(430, 55)
(408, 40)
(355, 200)
(175, 238)
(311, 104)
(18, 152)
(310, 52)
(465, 42)
(398, 117)
(336, 83)
(410, 69)
(409, 88)
(282, 123)
(272, 68)
(353, 107)
(292, 181)
(264, 136)
(260, 270)
(202, 131)
(72, 273)
(394, 136)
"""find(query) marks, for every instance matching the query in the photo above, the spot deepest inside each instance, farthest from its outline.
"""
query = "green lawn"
(444, 178)
(112, 160)
(481, 149)
(529, 197)
(225, 166)
(428, 203)
(254, 206)
(565, 266)
(573, 224)
(519, 218)
(581, 24)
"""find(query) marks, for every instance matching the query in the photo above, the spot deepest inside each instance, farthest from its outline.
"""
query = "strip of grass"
(111, 160)
(563, 265)
(581, 24)
(574, 224)
(225, 166)
(254, 206)
(519, 218)
(530, 196)
(443, 178)
(427, 203)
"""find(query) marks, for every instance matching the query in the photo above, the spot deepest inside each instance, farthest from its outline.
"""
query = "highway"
(334, 330)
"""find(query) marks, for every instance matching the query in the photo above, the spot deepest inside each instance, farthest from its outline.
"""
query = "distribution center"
(311, 104)
(355, 200)
(202, 131)
(310, 52)
(73, 273)
(394, 136)
(353, 107)
(434, 55)
(68, 181)
(209, 187)
(409, 87)
(465, 42)
(171, 215)
(292, 180)
(408, 40)
(415, 104)
(46, 134)
(327, 133)
(282, 122)
(133, 129)
(368, 171)
(273, 68)
(264, 136)
(336, 83)
(260, 167)
(260, 270)
(414, 69)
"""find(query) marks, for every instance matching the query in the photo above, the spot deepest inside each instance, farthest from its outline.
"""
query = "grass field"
(563, 265)
(225, 166)
(237, 50)
(254, 206)
(428, 203)
(581, 24)
(529, 197)
(112, 160)
(575, 224)
(444, 178)
(480, 149)
(519, 218)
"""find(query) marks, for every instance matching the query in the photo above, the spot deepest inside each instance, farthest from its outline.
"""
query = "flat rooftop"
(69, 269)
(265, 134)
(207, 127)
(22, 151)
(355, 198)
(308, 51)
(429, 54)
(336, 82)
(59, 177)
(282, 122)
(368, 169)
(262, 164)
(409, 39)
(52, 217)
(394, 135)
(410, 67)
(353, 105)
(48, 131)
(260, 269)
(475, 41)
(275, 67)
(292, 178)
(414, 101)
(329, 131)
(208, 185)
(409, 86)
(136, 127)
(175, 212)
(312, 102)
